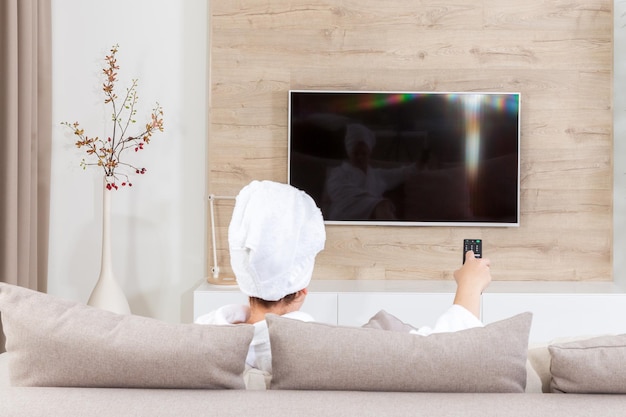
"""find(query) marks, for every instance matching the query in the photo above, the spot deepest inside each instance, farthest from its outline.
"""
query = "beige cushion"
(4, 370)
(533, 380)
(596, 365)
(102, 402)
(539, 358)
(54, 342)
(386, 321)
(314, 356)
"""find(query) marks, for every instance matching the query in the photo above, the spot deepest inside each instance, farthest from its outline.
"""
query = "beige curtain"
(25, 136)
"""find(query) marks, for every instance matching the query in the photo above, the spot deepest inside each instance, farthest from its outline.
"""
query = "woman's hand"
(472, 279)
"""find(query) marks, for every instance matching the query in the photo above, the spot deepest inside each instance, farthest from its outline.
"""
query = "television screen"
(407, 158)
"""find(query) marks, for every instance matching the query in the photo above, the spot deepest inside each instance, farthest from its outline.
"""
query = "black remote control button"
(474, 245)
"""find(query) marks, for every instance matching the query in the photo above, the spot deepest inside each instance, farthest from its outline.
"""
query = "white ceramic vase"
(107, 294)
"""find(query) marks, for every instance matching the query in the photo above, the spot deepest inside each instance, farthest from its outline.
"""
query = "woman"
(274, 235)
(356, 189)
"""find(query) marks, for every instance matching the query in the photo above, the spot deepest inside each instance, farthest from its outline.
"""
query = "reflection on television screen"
(407, 158)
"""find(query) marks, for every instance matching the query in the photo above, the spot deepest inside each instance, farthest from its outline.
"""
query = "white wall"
(619, 140)
(158, 225)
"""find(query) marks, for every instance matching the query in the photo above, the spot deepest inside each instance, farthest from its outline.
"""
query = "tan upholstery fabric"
(539, 357)
(4, 371)
(386, 321)
(54, 342)
(314, 356)
(95, 402)
(593, 366)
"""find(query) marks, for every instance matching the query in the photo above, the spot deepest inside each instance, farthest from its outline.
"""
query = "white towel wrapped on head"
(274, 235)
(356, 133)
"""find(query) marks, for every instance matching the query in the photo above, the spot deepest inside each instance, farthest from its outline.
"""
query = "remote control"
(475, 245)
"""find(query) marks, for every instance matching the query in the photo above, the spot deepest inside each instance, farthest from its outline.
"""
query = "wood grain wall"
(558, 54)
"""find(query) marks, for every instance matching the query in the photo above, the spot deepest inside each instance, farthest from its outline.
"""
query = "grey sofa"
(136, 402)
(68, 359)
(75, 402)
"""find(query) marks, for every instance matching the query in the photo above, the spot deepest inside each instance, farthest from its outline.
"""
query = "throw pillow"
(315, 356)
(55, 342)
(386, 321)
(539, 358)
(591, 366)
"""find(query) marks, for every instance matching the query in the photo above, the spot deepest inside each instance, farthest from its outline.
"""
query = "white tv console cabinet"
(560, 309)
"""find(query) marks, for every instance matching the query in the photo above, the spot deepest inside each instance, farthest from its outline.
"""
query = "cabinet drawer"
(416, 309)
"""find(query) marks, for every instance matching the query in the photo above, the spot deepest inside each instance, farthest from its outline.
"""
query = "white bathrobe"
(354, 194)
(455, 318)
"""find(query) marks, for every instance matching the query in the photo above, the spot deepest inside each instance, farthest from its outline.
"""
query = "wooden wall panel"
(557, 54)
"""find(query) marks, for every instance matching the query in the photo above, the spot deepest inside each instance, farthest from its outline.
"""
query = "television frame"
(393, 98)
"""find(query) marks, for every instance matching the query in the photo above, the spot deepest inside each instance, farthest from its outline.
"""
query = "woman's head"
(290, 302)
(274, 235)
(359, 143)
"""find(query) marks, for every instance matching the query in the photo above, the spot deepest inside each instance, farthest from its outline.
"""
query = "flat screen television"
(407, 158)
